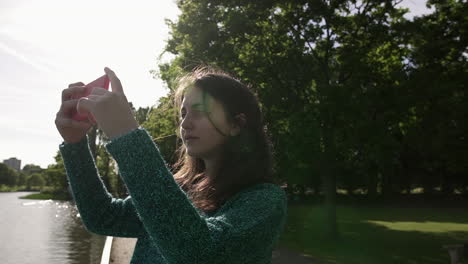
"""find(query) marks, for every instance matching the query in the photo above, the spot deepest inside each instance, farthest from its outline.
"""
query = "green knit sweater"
(169, 228)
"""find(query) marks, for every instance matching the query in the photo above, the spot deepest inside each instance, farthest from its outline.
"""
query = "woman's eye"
(195, 114)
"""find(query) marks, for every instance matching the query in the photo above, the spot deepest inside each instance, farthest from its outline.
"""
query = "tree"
(29, 169)
(55, 175)
(161, 124)
(8, 175)
(22, 179)
(325, 72)
(56, 178)
(435, 131)
(36, 179)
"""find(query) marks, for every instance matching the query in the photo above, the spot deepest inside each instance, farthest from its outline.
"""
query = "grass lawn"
(377, 234)
(44, 196)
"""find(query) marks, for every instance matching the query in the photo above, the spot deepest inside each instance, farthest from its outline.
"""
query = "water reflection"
(35, 231)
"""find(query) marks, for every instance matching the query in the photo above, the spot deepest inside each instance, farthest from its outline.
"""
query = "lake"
(44, 231)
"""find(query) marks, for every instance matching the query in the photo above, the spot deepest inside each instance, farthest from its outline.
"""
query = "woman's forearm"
(101, 213)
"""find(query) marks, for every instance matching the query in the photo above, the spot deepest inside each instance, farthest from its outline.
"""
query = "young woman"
(221, 206)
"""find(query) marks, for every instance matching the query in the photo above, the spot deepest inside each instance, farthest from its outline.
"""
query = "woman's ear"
(239, 122)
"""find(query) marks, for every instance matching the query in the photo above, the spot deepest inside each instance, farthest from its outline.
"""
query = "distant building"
(13, 163)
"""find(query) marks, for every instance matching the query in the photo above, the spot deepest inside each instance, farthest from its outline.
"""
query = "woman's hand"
(72, 131)
(111, 110)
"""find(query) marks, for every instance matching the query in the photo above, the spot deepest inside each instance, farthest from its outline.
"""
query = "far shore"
(44, 196)
(37, 195)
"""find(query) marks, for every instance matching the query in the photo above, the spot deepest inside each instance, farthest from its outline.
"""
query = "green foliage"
(355, 95)
(29, 169)
(35, 179)
(436, 130)
(350, 90)
(22, 178)
(6, 188)
(56, 178)
(162, 126)
(108, 171)
(326, 73)
(8, 176)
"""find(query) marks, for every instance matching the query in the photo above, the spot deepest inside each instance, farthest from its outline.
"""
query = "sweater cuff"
(136, 145)
(125, 138)
(74, 148)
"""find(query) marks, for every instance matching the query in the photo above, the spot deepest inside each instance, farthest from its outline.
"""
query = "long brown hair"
(246, 159)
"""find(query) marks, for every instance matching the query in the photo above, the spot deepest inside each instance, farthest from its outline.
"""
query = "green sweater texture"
(169, 228)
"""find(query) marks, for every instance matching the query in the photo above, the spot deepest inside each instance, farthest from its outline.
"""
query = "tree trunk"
(329, 183)
(329, 187)
(447, 182)
(372, 181)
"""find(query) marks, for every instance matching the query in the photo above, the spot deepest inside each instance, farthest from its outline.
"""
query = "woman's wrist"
(122, 132)
(68, 142)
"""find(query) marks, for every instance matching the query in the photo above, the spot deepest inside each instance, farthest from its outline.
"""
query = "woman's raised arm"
(101, 213)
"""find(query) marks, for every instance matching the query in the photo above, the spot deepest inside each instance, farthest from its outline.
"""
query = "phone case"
(102, 82)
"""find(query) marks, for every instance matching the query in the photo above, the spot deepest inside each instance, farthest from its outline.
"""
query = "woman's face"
(199, 134)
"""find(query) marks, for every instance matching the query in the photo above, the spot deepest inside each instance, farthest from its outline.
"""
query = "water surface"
(44, 232)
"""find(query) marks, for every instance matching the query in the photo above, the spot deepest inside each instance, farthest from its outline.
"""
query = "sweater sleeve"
(100, 212)
(250, 223)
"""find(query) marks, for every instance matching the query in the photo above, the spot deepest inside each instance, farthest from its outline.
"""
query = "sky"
(46, 45)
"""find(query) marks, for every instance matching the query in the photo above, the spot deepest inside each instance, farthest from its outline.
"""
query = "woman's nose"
(186, 123)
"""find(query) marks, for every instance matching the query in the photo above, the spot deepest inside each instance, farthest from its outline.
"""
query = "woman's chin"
(191, 153)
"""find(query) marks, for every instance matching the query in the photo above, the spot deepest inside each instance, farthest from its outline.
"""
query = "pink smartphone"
(102, 82)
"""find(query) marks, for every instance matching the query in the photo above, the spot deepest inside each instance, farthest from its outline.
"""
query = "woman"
(220, 207)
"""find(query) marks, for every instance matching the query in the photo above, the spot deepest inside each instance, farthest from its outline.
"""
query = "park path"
(122, 250)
